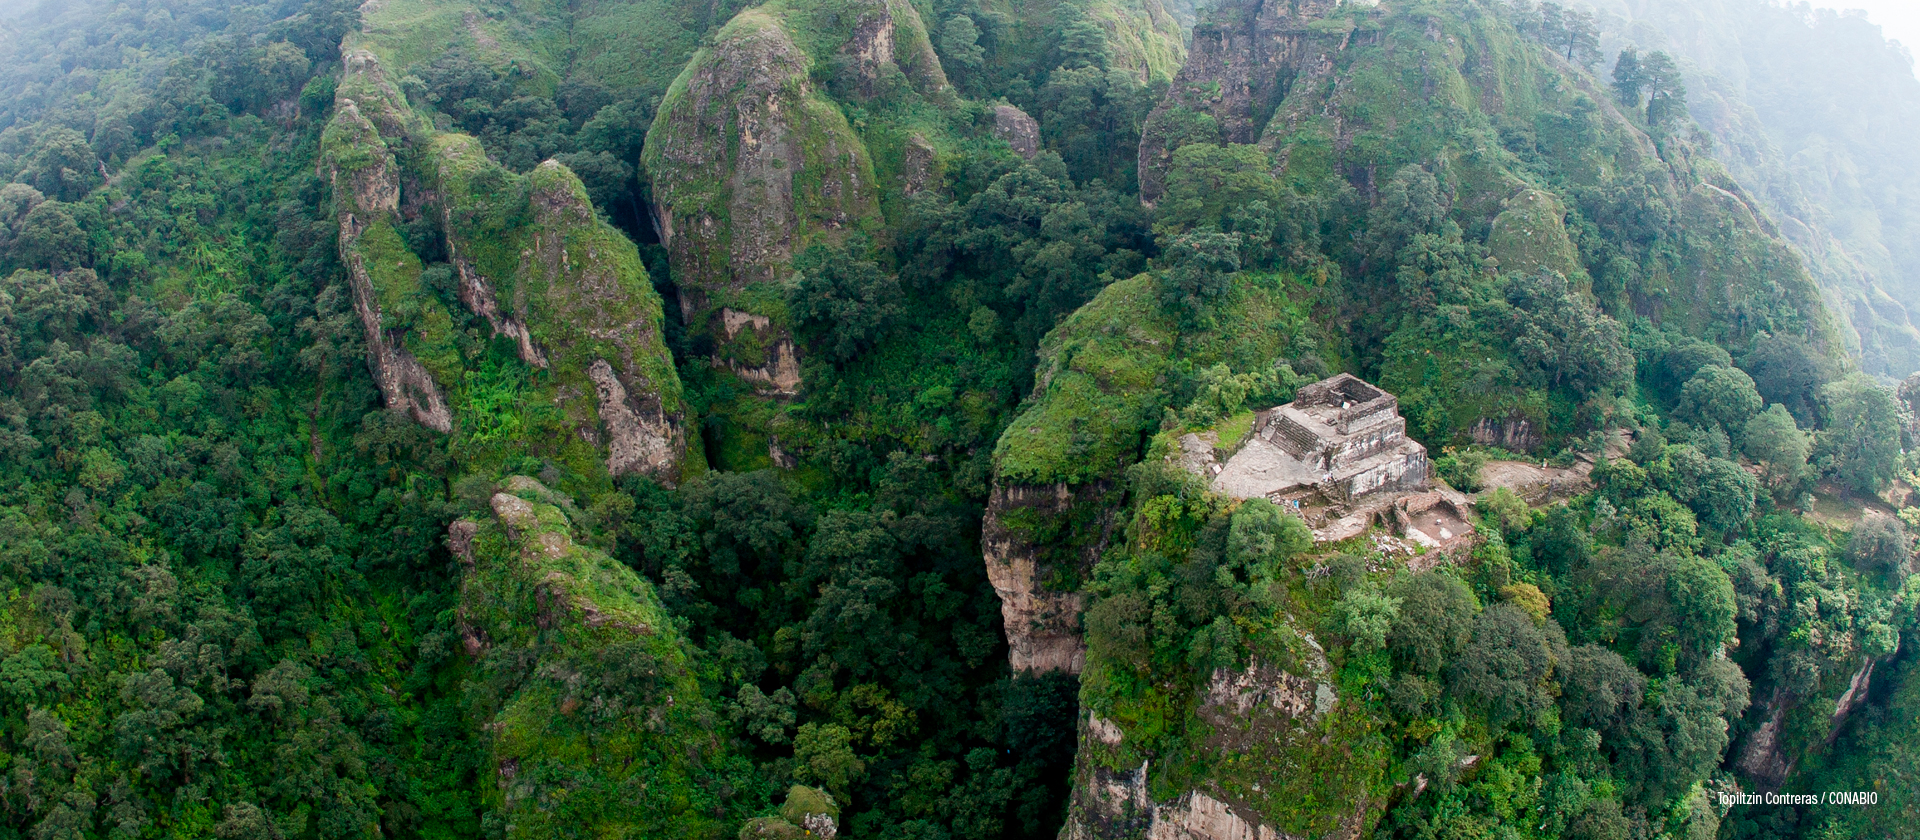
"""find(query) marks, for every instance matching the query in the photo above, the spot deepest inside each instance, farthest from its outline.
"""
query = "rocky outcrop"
(591, 692)
(1018, 130)
(1514, 433)
(641, 438)
(1530, 236)
(920, 162)
(1243, 61)
(366, 183)
(752, 161)
(532, 259)
(600, 312)
(808, 813)
(536, 262)
(888, 37)
(1261, 712)
(1768, 760)
(1038, 541)
(763, 354)
(725, 151)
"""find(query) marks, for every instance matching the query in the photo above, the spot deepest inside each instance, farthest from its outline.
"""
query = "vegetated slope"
(636, 47)
(591, 708)
(752, 163)
(256, 595)
(580, 323)
(1503, 246)
(1811, 110)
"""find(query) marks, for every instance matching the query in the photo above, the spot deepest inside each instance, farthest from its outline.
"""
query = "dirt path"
(1537, 484)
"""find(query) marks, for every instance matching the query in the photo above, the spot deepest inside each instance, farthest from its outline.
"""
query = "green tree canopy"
(1860, 445)
(1719, 396)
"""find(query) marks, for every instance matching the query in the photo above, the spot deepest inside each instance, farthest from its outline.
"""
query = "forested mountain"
(1813, 111)
(786, 418)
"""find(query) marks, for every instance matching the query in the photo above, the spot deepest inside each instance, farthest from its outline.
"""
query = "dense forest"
(1810, 109)
(766, 418)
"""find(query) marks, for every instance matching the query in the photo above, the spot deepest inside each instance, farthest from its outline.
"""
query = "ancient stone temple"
(1342, 438)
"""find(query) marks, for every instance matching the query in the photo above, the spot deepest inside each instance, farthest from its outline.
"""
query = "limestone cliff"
(1244, 60)
(533, 261)
(594, 718)
(752, 162)
(369, 115)
(544, 271)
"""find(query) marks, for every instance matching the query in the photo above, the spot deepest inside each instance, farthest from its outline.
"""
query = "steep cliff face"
(752, 162)
(594, 719)
(727, 153)
(1343, 95)
(1279, 737)
(570, 292)
(385, 276)
(532, 261)
(1053, 509)
(1769, 755)
(1244, 60)
(1143, 38)
(1032, 574)
(599, 305)
(1101, 391)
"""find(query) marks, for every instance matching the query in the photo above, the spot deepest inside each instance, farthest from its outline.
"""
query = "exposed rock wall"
(1514, 434)
(1243, 61)
(1768, 760)
(603, 308)
(1019, 130)
(725, 150)
(366, 182)
(1041, 616)
(1263, 713)
(532, 259)
(577, 302)
(575, 626)
(752, 161)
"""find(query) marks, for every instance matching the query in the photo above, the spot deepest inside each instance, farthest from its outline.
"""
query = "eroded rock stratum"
(533, 262)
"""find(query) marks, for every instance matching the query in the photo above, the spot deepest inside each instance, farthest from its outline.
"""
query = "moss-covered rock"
(537, 263)
(585, 690)
(1405, 86)
(1260, 751)
(1530, 236)
(1245, 59)
(1142, 39)
(1103, 388)
(407, 332)
(534, 262)
(751, 162)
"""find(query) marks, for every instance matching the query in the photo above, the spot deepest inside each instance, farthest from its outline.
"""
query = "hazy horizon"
(1899, 19)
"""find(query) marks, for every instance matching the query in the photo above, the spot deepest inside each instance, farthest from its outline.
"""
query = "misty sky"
(1900, 19)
